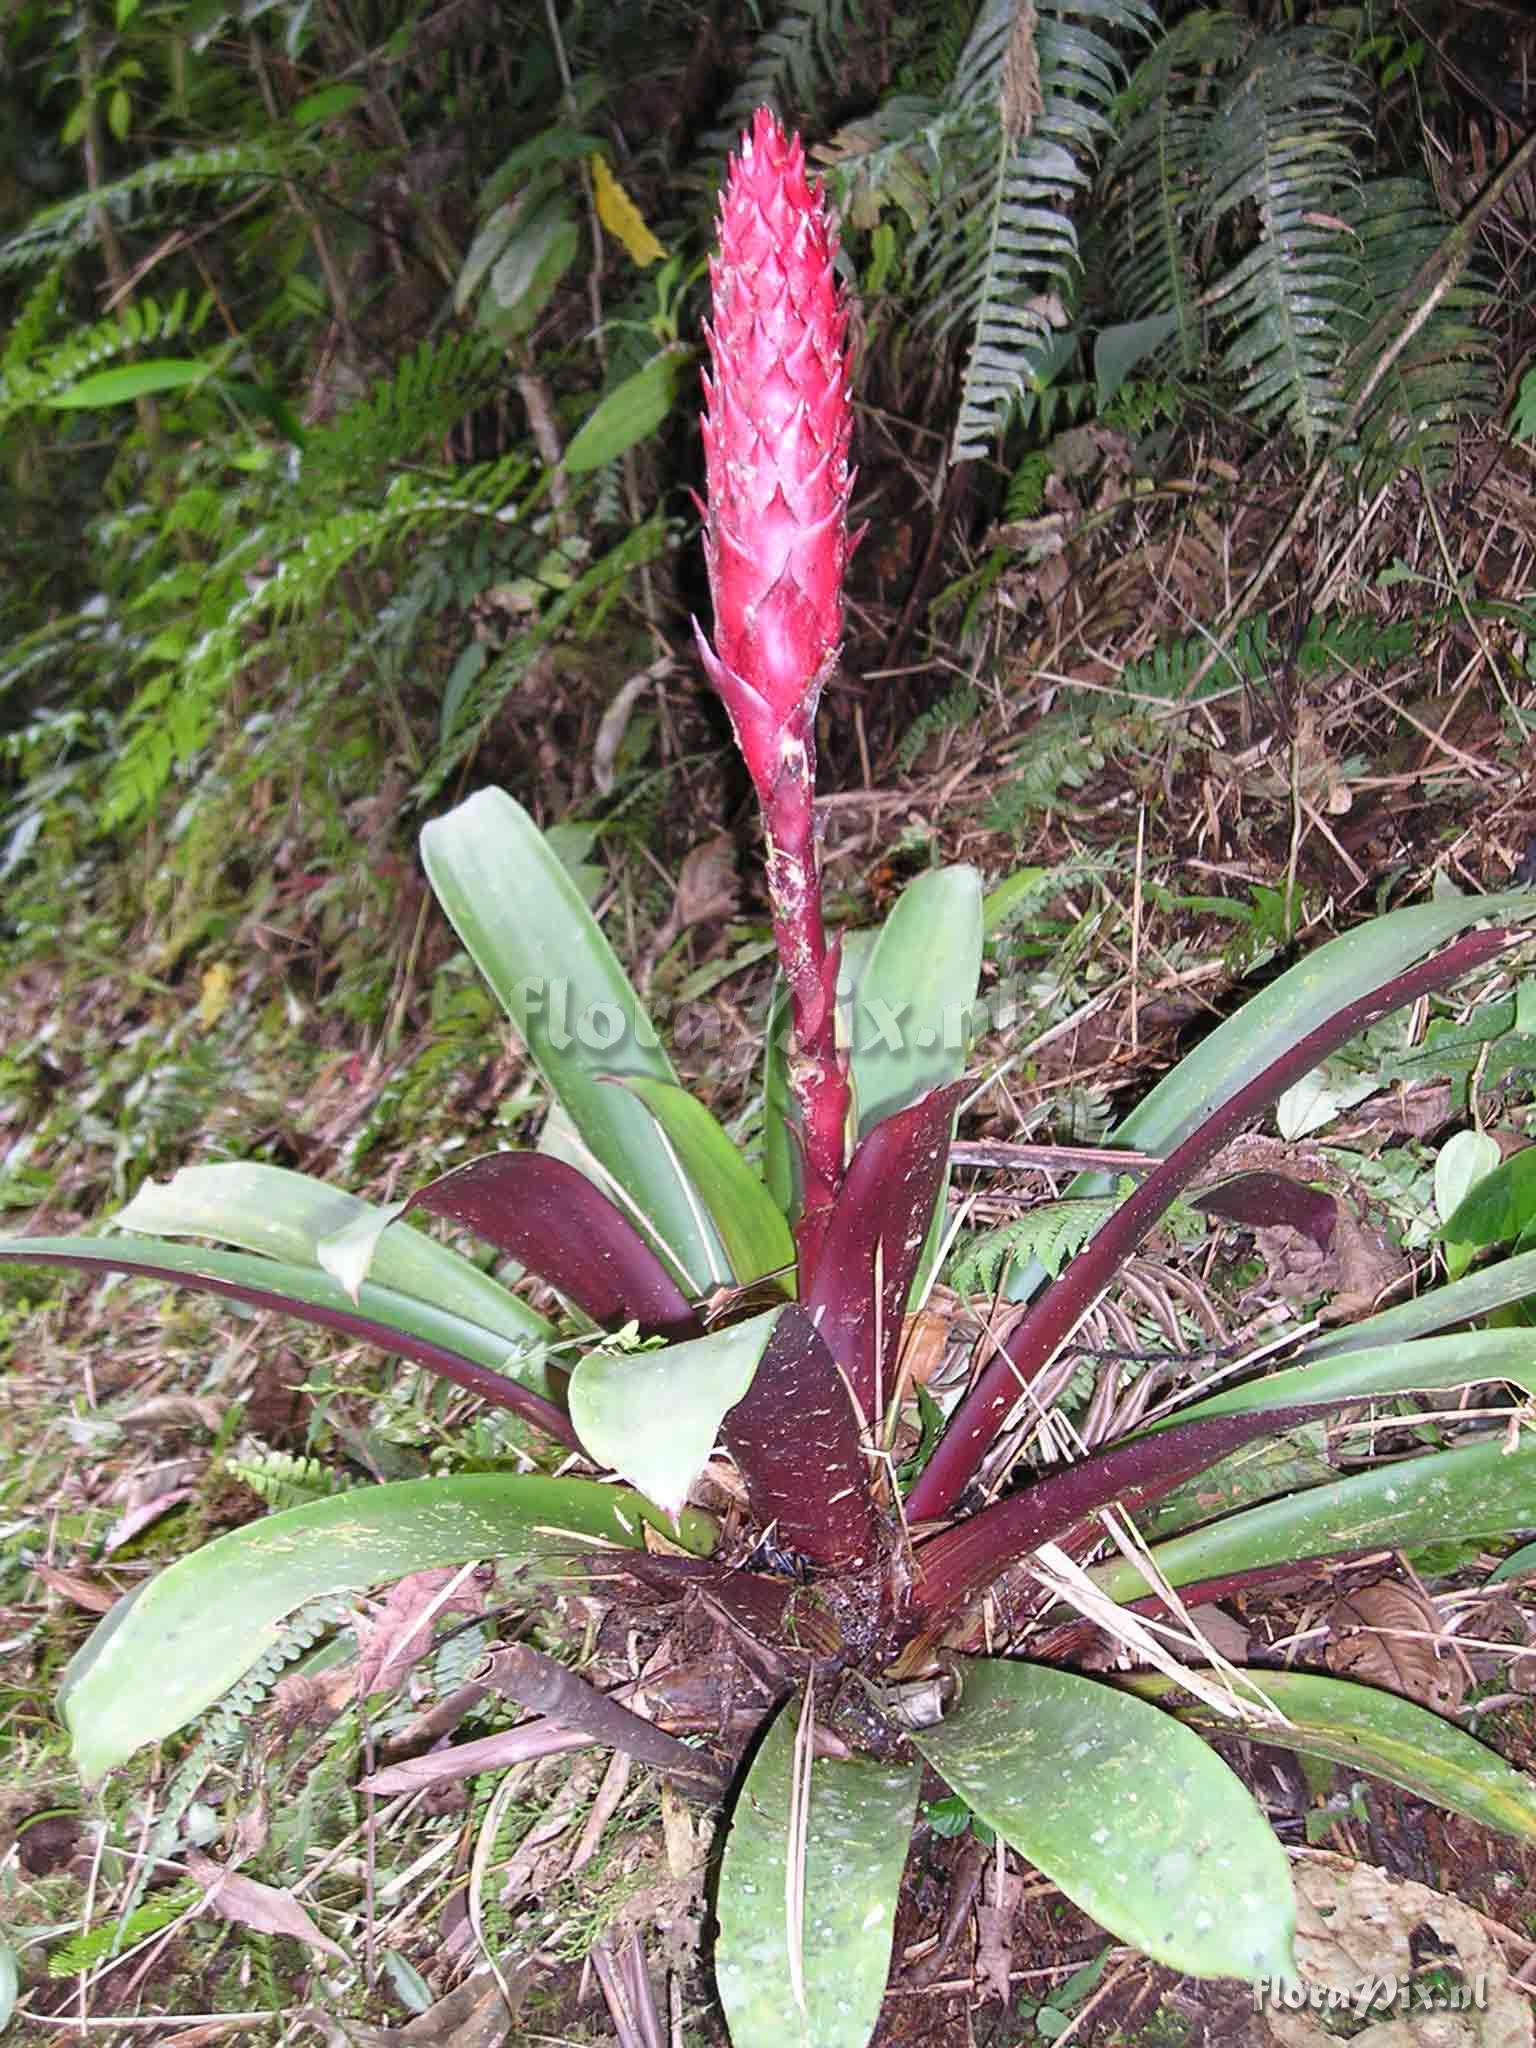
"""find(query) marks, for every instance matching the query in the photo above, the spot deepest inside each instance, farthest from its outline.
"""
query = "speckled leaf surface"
(1366, 1729)
(858, 1826)
(170, 1650)
(653, 1416)
(1133, 1816)
(1480, 1489)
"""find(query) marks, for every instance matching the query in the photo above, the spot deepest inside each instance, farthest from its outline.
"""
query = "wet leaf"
(858, 1823)
(1129, 1813)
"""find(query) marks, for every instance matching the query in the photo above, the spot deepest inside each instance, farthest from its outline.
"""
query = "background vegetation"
(347, 437)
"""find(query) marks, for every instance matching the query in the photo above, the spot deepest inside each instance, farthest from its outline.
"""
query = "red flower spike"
(777, 424)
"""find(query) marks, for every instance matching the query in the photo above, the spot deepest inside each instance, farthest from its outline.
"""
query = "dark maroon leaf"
(956, 1565)
(796, 1443)
(1071, 1638)
(491, 1386)
(1260, 1200)
(1051, 1318)
(551, 1219)
(770, 1609)
(881, 1216)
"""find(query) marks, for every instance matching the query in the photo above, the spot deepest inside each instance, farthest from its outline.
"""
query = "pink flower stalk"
(777, 424)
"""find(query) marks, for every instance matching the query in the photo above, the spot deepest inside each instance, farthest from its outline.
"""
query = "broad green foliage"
(1152, 1835)
(806, 1909)
(169, 1650)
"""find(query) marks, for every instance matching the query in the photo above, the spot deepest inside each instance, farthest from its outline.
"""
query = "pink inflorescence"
(777, 424)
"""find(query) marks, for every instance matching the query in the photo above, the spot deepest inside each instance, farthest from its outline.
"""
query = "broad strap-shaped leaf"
(910, 1010)
(286, 1215)
(1380, 1732)
(654, 1415)
(552, 1219)
(1050, 1319)
(1128, 1812)
(750, 1223)
(857, 1295)
(525, 925)
(1429, 1364)
(449, 1345)
(173, 1647)
(1462, 1302)
(1476, 1490)
(771, 1609)
(956, 1565)
(796, 1442)
(1262, 1199)
(811, 1974)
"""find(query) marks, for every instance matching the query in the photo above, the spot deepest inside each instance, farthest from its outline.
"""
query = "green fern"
(232, 169)
(93, 1945)
(956, 707)
(790, 66)
(1032, 99)
(1283, 146)
(1060, 752)
(428, 393)
(1050, 1232)
(284, 1481)
(26, 385)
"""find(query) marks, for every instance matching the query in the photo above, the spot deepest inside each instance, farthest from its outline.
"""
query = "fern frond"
(1282, 145)
(430, 391)
(791, 63)
(1447, 373)
(1051, 1232)
(284, 1481)
(60, 230)
(1151, 185)
(144, 320)
(1001, 248)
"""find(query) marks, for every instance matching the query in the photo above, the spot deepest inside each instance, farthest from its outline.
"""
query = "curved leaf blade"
(450, 1345)
(1478, 1294)
(1428, 1364)
(879, 1225)
(858, 1824)
(285, 1215)
(750, 1223)
(554, 1221)
(1129, 1813)
(654, 1415)
(183, 1639)
(1383, 1733)
(1476, 1490)
(910, 1014)
(517, 911)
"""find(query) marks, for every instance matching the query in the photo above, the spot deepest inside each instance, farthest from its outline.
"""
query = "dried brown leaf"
(261, 1907)
(1388, 1634)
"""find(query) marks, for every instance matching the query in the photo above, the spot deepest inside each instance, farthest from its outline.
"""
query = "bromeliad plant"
(710, 1302)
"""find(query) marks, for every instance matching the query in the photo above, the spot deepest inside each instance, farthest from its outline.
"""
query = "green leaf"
(1118, 350)
(285, 1215)
(1379, 1732)
(1431, 1363)
(858, 1823)
(523, 922)
(128, 381)
(1515, 1565)
(1478, 1294)
(1477, 1490)
(911, 1020)
(654, 1415)
(170, 1649)
(326, 104)
(630, 412)
(1464, 1160)
(1130, 1814)
(1500, 1207)
(1302, 1000)
(751, 1224)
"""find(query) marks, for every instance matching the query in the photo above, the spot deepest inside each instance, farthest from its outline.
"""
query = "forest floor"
(272, 980)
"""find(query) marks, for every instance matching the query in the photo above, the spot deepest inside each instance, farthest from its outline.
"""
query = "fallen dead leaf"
(1354, 1935)
(474, 2016)
(259, 1906)
(85, 1593)
(707, 884)
(1388, 1634)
